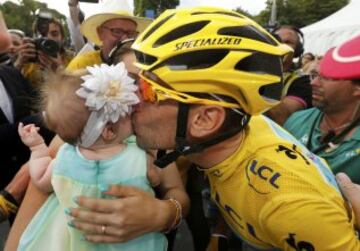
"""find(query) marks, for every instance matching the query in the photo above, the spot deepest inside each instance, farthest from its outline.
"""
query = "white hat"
(89, 26)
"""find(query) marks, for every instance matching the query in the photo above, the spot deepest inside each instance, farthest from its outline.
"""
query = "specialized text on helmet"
(207, 42)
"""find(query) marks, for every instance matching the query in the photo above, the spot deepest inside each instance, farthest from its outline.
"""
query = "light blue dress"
(74, 175)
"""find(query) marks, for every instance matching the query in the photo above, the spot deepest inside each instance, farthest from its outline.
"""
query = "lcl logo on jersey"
(255, 172)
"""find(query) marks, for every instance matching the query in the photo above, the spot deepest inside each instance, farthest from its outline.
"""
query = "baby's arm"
(40, 161)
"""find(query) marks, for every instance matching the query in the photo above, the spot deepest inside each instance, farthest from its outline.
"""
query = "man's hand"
(27, 52)
(73, 3)
(351, 191)
(49, 62)
(120, 219)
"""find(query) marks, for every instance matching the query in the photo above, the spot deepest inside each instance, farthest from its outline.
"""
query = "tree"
(243, 12)
(301, 12)
(158, 6)
(21, 16)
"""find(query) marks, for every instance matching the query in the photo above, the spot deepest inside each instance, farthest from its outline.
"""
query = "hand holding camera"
(42, 50)
(47, 46)
(49, 62)
(27, 52)
(48, 53)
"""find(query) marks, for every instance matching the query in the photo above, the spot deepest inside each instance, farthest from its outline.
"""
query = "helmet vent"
(217, 12)
(156, 26)
(179, 32)
(196, 59)
(145, 59)
(261, 63)
(272, 92)
(247, 32)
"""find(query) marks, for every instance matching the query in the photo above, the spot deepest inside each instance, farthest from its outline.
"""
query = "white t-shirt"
(6, 103)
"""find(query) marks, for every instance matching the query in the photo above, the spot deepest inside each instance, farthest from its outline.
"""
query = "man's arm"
(5, 39)
(298, 97)
(282, 111)
(171, 186)
(31, 203)
(351, 191)
(74, 25)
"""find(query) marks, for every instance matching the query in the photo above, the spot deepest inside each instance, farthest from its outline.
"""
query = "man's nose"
(315, 82)
(124, 36)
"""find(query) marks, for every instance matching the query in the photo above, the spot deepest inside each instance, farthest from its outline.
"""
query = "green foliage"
(158, 6)
(21, 16)
(244, 12)
(300, 12)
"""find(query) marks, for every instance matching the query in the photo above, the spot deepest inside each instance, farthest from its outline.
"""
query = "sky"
(252, 6)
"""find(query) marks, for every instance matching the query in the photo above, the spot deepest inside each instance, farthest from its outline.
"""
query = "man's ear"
(205, 120)
(99, 32)
(108, 132)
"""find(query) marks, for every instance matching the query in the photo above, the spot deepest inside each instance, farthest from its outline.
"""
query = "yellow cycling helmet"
(212, 50)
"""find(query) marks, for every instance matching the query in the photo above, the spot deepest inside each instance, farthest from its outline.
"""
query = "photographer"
(44, 53)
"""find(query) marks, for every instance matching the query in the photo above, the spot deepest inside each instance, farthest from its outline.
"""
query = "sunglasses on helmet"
(153, 90)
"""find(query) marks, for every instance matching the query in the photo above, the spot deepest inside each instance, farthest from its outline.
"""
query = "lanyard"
(312, 129)
(330, 138)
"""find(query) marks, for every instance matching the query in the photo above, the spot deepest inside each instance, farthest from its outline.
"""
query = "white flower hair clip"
(109, 94)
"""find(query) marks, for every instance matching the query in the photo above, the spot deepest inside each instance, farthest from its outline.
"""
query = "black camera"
(48, 46)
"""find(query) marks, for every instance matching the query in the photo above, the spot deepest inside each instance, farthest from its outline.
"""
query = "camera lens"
(48, 46)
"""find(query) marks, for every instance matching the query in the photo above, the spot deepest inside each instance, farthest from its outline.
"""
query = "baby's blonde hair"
(65, 112)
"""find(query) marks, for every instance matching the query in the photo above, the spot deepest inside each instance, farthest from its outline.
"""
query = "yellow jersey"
(83, 60)
(276, 195)
(34, 73)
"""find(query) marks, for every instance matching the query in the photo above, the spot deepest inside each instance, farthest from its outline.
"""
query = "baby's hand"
(29, 135)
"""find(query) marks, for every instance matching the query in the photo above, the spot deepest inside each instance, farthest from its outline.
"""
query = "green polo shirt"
(344, 157)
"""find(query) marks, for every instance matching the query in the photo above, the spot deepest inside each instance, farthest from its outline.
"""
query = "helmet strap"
(183, 147)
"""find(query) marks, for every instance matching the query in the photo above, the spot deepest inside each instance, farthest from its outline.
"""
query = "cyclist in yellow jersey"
(286, 197)
(207, 74)
(272, 192)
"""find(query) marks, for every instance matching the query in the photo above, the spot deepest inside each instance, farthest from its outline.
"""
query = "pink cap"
(343, 61)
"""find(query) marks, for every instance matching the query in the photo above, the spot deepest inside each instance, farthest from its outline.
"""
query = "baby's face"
(125, 126)
(124, 129)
